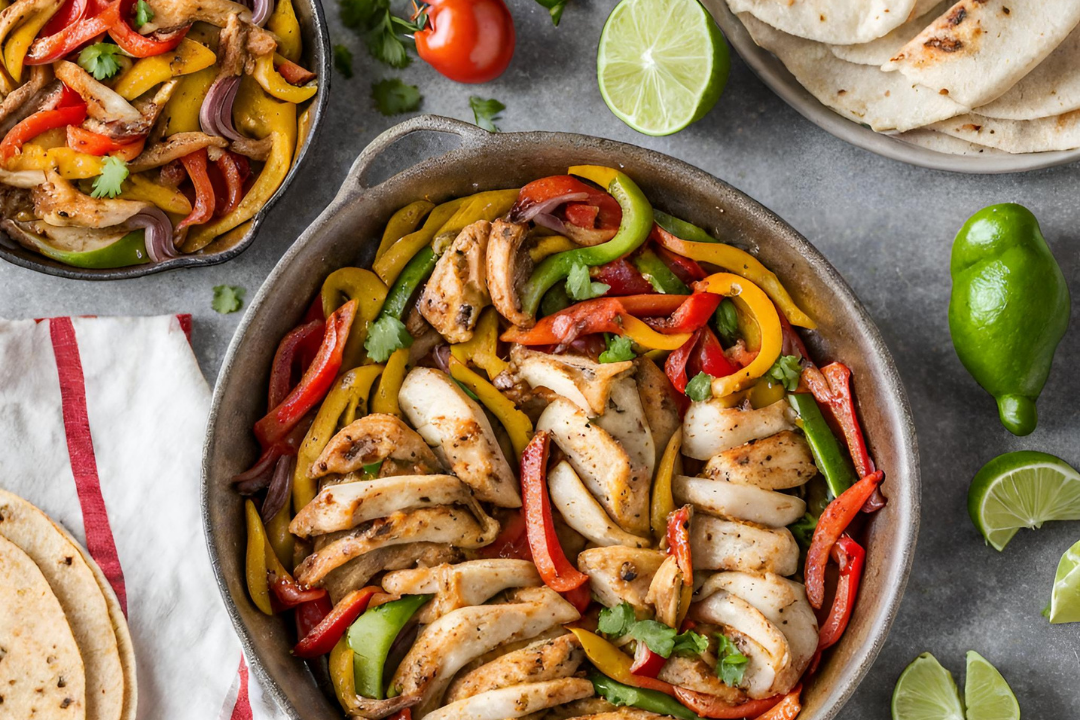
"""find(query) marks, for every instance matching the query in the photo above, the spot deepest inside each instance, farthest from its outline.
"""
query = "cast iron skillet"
(316, 42)
(346, 234)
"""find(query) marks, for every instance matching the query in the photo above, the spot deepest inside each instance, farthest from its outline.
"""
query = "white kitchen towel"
(101, 425)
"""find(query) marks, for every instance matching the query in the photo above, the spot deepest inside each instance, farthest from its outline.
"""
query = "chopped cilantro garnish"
(393, 97)
(731, 664)
(486, 112)
(699, 389)
(386, 335)
(113, 174)
(580, 286)
(100, 60)
(662, 639)
(616, 621)
(619, 349)
(786, 370)
(343, 60)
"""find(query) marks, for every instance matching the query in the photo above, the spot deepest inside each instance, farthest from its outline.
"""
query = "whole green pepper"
(128, 250)
(637, 223)
(618, 694)
(1009, 309)
(659, 275)
(371, 636)
(828, 456)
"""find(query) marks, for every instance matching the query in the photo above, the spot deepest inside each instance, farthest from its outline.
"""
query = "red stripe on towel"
(99, 537)
(242, 708)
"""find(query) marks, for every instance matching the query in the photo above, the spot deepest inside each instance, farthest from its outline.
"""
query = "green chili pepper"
(828, 456)
(128, 250)
(637, 222)
(681, 228)
(415, 274)
(618, 694)
(371, 636)
(659, 275)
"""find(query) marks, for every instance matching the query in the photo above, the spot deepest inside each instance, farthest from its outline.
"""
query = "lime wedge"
(662, 64)
(1022, 490)
(1065, 599)
(986, 694)
(926, 691)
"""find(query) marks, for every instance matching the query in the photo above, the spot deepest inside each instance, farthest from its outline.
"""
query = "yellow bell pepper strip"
(353, 389)
(752, 300)
(401, 223)
(663, 503)
(303, 130)
(261, 116)
(188, 57)
(367, 289)
(256, 569)
(550, 245)
(740, 263)
(19, 41)
(281, 540)
(283, 23)
(640, 332)
(398, 255)
(171, 200)
(272, 82)
(637, 221)
(765, 392)
(386, 395)
(481, 206)
(69, 164)
(182, 111)
(342, 675)
(615, 664)
(482, 348)
(517, 424)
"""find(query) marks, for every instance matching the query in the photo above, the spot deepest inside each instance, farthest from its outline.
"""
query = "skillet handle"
(468, 135)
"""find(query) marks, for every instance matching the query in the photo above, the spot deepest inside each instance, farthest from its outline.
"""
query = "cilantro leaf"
(699, 389)
(731, 664)
(386, 335)
(361, 14)
(113, 174)
(486, 112)
(690, 643)
(143, 13)
(616, 621)
(555, 9)
(385, 44)
(343, 60)
(803, 530)
(619, 349)
(727, 322)
(786, 370)
(393, 97)
(227, 299)
(579, 285)
(100, 60)
(659, 637)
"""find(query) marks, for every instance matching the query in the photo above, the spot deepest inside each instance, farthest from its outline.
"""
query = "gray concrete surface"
(886, 226)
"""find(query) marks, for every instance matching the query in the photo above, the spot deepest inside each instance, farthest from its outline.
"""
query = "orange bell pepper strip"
(136, 44)
(53, 47)
(711, 706)
(851, 557)
(233, 174)
(594, 316)
(92, 143)
(787, 709)
(195, 164)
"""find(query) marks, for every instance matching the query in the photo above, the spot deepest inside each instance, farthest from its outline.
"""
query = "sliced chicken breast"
(657, 398)
(456, 586)
(516, 701)
(710, 428)
(740, 502)
(666, 591)
(620, 573)
(376, 438)
(581, 380)
(625, 421)
(508, 269)
(696, 674)
(457, 290)
(583, 513)
(717, 544)
(356, 573)
(778, 462)
(549, 659)
(446, 417)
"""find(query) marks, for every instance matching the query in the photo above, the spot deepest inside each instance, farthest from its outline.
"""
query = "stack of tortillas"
(65, 651)
(968, 77)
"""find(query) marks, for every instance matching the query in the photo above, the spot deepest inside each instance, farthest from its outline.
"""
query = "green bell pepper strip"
(681, 228)
(618, 694)
(1008, 310)
(637, 222)
(128, 250)
(659, 275)
(555, 300)
(415, 274)
(828, 456)
(371, 636)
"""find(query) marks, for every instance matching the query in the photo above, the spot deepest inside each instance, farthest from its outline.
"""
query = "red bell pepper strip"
(311, 613)
(234, 169)
(555, 570)
(711, 706)
(623, 279)
(314, 384)
(289, 594)
(287, 359)
(579, 597)
(787, 709)
(831, 525)
(138, 45)
(36, 124)
(563, 327)
(646, 662)
(93, 143)
(675, 365)
(655, 305)
(678, 539)
(594, 220)
(70, 12)
(512, 543)
(322, 639)
(692, 314)
(53, 47)
(294, 74)
(203, 209)
(709, 357)
(684, 268)
(842, 404)
(851, 557)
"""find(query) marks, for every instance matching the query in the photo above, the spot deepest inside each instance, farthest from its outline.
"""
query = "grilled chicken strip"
(460, 527)
(583, 513)
(549, 659)
(356, 573)
(580, 380)
(446, 417)
(457, 291)
(461, 585)
(665, 592)
(376, 438)
(516, 701)
(449, 643)
(778, 462)
(625, 421)
(102, 102)
(602, 464)
(169, 14)
(173, 148)
(346, 505)
(620, 573)
(710, 428)
(656, 394)
(508, 269)
(738, 502)
(717, 544)
(695, 674)
(58, 202)
(23, 98)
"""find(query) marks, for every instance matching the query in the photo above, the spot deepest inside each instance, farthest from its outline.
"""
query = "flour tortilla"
(77, 590)
(979, 49)
(942, 143)
(887, 102)
(880, 51)
(1053, 88)
(840, 22)
(1060, 132)
(41, 672)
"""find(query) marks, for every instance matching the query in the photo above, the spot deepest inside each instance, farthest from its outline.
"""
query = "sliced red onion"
(525, 213)
(280, 488)
(257, 477)
(441, 355)
(260, 11)
(215, 115)
(550, 222)
(158, 234)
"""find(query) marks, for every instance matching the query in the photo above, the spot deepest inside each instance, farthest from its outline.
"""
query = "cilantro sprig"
(100, 60)
(343, 60)
(699, 389)
(143, 13)
(486, 112)
(663, 640)
(786, 370)
(730, 664)
(394, 97)
(113, 174)
(619, 349)
(386, 335)
(384, 34)
(580, 286)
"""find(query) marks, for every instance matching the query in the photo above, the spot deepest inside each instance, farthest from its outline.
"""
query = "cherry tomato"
(468, 41)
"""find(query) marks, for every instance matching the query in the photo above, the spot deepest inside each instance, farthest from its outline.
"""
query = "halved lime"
(1065, 599)
(1022, 490)
(986, 694)
(926, 691)
(662, 64)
